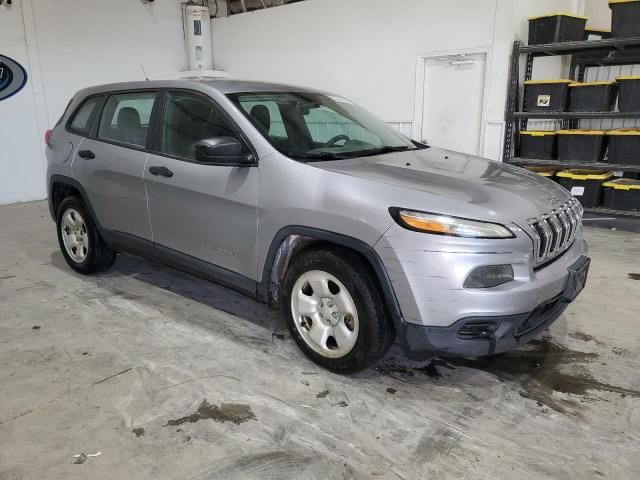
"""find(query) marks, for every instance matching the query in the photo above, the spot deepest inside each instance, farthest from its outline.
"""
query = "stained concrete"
(172, 377)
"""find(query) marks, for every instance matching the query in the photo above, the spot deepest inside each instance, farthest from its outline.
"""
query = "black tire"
(99, 255)
(376, 333)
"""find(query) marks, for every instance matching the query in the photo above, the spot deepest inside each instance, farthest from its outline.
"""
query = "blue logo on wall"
(12, 77)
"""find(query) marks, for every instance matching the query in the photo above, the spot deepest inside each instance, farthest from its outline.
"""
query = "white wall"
(74, 44)
(21, 159)
(89, 42)
(367, 50)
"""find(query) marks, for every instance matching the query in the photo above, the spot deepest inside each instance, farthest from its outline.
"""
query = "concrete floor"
(172, 377)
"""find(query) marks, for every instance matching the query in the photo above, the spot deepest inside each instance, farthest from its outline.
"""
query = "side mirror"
(223, 151)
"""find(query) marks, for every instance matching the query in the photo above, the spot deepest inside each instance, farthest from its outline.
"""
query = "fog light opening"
(488, 276)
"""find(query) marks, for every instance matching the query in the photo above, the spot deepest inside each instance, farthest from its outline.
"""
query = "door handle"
(161, 172)
(86, 154)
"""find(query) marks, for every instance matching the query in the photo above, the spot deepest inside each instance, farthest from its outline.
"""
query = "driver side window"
(188, 119)
(325, 124)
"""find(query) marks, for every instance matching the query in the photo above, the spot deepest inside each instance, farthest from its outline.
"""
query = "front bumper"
(428, 274)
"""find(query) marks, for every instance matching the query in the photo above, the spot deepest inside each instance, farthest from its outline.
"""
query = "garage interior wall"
(366, 50)
(66, 45)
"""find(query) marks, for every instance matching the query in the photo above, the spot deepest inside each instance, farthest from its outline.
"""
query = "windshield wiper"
(382, 150)
(323, 156)
(317, 157)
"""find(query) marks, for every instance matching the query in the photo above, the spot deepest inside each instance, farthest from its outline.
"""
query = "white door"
(453, 102)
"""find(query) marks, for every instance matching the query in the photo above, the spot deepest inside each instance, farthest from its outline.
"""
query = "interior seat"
(129, 127)
(262, 118)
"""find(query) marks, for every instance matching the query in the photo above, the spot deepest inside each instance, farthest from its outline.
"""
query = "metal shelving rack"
(585, 54)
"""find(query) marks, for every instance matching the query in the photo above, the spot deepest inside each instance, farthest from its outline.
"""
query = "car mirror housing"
(223, 151)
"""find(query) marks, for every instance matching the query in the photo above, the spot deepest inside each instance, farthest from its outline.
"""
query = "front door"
(204, 211)
(110, 164)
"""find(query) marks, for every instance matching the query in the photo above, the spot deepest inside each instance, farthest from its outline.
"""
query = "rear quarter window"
(83, 116)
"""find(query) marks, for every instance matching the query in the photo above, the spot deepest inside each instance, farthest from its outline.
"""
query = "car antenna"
(144, 73)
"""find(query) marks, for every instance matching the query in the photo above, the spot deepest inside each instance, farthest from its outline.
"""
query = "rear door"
(207, 212)
(110, 162)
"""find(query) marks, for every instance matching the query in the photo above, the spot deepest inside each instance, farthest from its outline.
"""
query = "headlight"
(446, 225)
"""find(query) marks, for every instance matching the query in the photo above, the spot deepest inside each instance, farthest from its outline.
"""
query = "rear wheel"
(80, 242)
(334, 311)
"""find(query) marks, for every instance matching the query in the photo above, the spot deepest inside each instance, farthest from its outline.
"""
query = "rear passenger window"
(125, 118)
(81, 122)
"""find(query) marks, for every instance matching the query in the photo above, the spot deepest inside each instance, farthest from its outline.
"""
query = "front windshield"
(313, 126)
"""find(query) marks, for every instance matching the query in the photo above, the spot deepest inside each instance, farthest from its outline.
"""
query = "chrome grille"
(554, 232)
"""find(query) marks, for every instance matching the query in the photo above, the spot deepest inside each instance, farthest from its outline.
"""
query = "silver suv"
(303, 200)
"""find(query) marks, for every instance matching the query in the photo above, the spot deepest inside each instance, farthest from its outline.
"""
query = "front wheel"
(334, 311)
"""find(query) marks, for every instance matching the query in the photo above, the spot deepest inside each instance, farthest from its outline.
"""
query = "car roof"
(222, 86)
(239, 86)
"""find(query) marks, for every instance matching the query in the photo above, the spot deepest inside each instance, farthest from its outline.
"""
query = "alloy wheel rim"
(74, 235)
(325, 314)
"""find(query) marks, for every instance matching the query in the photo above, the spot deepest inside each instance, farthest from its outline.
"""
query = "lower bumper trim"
(421, 342)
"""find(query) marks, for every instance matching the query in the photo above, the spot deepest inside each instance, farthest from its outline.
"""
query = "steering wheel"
(336, 139)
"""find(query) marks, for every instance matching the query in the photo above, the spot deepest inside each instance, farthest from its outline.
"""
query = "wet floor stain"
(279, 336)
(392, 391)
(322, 394)
(126, 295)
(623, 352)
(586, 338)
(538, 369)
(431, 369)
(634, 276)
(35, 327)
(138, 432)
(235, 413)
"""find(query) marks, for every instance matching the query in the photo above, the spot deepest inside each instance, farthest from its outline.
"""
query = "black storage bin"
(624, 146)
(539, 145)
(622, 194)
(601, 33)
(629, 96)
(546, 95)
(625, 18)
(556, 28)
(592, 96)
(583, 146)
(585, 185)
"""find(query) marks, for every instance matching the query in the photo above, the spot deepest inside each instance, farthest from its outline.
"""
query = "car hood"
(511, 192)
